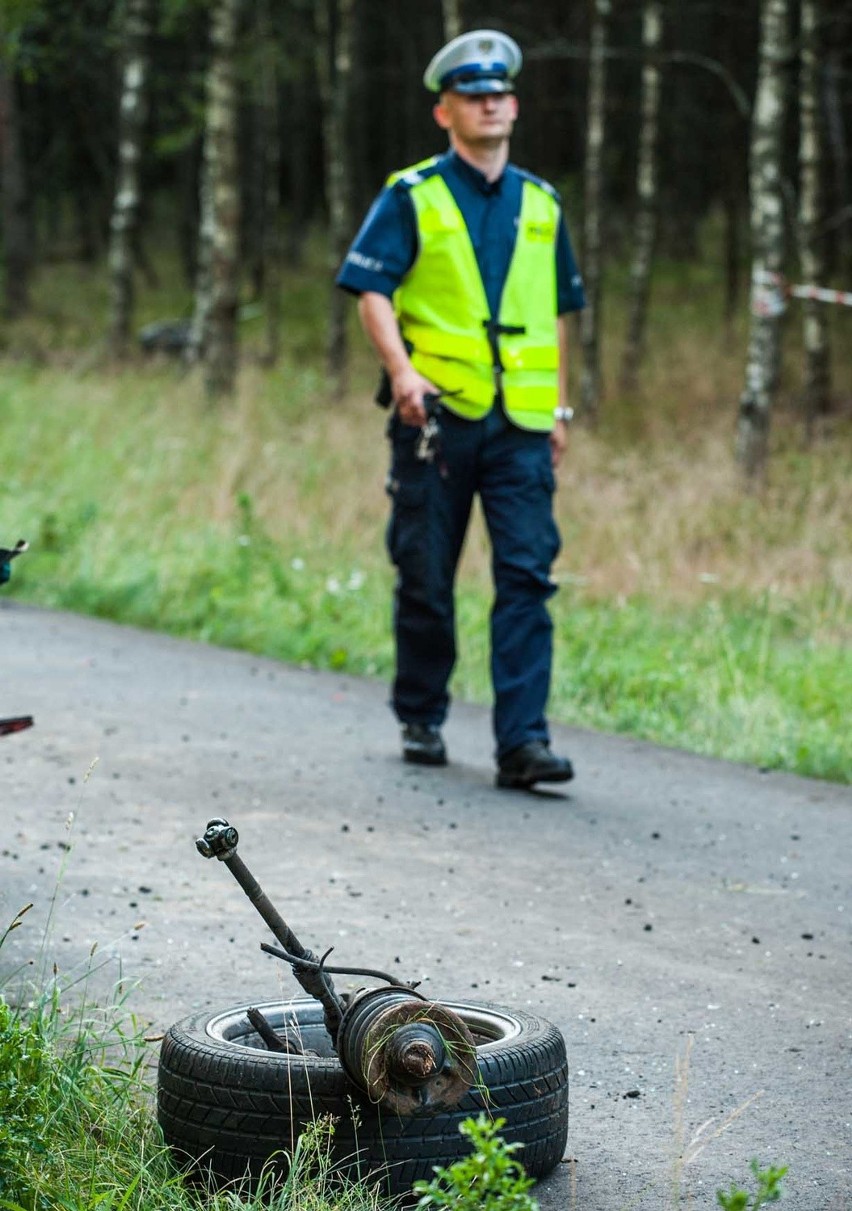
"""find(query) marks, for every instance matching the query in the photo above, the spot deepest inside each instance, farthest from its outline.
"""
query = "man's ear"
(441, 115)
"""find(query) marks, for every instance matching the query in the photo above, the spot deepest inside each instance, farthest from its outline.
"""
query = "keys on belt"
(429, 441)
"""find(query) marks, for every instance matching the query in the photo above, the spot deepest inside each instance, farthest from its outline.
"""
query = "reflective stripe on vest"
(443, 311)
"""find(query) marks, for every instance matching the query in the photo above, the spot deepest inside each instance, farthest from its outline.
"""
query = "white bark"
(268, 101)
(124, 224)
(204, 263)
(645, 232)
(452, 18)
(335, 32)
(811, 215)
(767, 233)
(221, 206)
(590, 382)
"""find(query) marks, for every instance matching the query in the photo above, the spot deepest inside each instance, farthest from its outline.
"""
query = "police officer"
(465, 275)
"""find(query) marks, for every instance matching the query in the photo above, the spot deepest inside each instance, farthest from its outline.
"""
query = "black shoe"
(422, 744)
(531, 763)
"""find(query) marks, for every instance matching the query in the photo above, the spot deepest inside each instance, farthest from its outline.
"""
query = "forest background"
(186, 433)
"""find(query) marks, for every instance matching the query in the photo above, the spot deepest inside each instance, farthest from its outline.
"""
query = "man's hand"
(408, 388)
(558, 442)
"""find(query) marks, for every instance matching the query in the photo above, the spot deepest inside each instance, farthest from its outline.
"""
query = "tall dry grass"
(650, 501)
(663, 516)
(260, 524)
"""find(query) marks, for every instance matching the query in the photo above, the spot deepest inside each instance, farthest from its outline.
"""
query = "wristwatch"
(565, 414)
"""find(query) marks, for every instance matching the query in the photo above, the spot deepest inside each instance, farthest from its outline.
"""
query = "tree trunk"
(200, 327)
(590, 382)
(452, 18)
(270, 152)
(188, 203)
(732, 214)
(644, 236)
(767, 234)
(811, 215)
(17, 233)
(299, 101)
(124, 225)
(87, 205)
(837, 140)
(255, 131)
(221, 207)
(733, 171)
(334, 20)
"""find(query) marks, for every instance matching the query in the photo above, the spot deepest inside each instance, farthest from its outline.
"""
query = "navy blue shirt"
(387, 245)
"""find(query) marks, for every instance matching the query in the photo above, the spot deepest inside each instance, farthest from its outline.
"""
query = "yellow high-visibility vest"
(443, 311)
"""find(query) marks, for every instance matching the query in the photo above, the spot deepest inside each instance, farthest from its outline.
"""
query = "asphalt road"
(668, 913)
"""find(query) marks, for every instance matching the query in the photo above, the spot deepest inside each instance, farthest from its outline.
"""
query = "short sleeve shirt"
(386, 247)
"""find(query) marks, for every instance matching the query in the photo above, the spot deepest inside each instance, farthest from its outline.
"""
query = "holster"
(384, 394)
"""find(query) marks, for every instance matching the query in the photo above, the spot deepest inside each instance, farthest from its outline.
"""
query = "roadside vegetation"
(78, 1129)
(77, 1124)
(690, 612)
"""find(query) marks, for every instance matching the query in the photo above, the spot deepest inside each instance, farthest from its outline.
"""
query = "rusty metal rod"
(220, 841)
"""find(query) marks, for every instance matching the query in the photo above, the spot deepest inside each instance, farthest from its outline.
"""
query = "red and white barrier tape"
(770, 291)
(843, 297)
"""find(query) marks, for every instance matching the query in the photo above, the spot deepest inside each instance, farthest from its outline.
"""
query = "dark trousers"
(431, 503)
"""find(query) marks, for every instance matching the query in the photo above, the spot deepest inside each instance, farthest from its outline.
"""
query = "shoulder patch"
(407, 177)
(540, 182)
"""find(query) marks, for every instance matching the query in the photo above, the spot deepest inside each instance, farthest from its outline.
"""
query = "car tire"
(228, 1106)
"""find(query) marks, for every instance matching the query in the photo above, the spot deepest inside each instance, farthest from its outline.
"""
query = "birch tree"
(452, 18)
(334, 23)
(124, 224)
(217, 295)
(17, 255)
(269, 154)
(811, 214)
(590, 379)
(645, 230)
(767, 235)
(200, 325)
(838, 142)
(299, 102)
(16, 228)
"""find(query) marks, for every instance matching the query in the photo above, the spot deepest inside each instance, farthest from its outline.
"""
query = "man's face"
(484, 120)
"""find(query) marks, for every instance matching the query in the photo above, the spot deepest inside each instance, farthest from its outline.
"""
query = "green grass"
(78, 1132)
(691, 613)
(77, 1127)
(733, 678)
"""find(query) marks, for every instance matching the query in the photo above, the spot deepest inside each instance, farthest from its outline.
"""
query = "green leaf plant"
(769, 1190)
(490, 1179)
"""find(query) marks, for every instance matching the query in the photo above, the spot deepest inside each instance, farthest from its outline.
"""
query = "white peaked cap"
(482, 61)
